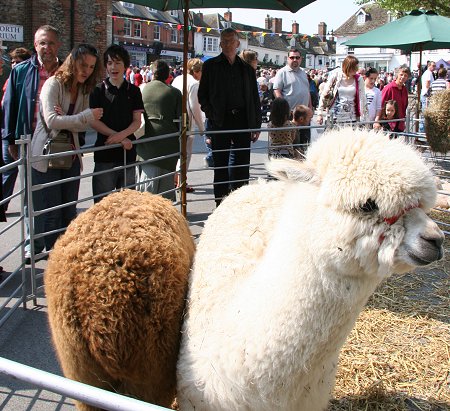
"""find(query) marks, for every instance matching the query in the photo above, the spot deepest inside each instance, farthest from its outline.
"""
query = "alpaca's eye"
(369, 206)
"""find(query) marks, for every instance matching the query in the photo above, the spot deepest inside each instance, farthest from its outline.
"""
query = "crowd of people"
(45, 98)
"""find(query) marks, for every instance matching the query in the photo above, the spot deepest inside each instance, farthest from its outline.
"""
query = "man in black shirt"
(228, 95)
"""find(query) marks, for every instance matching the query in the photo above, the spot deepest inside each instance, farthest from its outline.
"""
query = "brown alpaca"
(115, 284)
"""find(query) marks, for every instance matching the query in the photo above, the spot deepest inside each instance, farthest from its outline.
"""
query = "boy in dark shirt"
(122, 108)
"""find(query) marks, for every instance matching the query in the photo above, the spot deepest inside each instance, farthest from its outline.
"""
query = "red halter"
(394, 219)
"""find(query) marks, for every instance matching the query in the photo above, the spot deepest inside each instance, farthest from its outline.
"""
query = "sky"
(332, 12)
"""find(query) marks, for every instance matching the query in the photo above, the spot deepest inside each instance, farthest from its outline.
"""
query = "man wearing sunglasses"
(291, 81)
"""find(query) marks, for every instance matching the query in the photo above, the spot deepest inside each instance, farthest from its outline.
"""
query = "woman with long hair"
(64, 106)
(344, 94)
(250, 57)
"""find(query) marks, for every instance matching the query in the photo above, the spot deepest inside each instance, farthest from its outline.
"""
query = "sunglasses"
(295, 57)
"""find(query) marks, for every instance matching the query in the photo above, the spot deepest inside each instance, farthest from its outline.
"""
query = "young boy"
(122, 107)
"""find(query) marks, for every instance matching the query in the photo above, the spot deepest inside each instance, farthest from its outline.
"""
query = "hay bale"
(437, 122)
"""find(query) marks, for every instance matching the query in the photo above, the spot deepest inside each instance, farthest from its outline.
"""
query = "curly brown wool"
(116, 283)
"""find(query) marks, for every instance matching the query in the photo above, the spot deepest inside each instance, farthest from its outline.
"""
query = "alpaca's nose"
(435, 239)
(434, 236)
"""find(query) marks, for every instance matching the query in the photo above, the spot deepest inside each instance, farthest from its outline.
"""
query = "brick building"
(77, 20)
(149, 34)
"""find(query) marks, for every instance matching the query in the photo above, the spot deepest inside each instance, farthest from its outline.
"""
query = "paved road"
(25, 337)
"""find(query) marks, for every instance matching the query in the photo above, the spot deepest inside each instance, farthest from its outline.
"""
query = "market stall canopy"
(286, 5)
(445, 63)
(417, 31)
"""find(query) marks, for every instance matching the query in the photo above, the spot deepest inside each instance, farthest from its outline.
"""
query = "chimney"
(228, 16)
(269, 21)
(278, 25)
(322, 31)
(295, 28)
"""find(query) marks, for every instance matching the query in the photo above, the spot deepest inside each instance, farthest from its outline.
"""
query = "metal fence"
(28, 281)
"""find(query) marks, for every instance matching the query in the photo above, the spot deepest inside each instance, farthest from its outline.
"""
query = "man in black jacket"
(228, 95)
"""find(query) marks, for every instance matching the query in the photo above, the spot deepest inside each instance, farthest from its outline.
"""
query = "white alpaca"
(284, 268)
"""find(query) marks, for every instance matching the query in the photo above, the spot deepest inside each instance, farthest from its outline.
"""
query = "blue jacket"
(20, 100)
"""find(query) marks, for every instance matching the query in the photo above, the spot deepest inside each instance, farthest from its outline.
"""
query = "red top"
(137, 79)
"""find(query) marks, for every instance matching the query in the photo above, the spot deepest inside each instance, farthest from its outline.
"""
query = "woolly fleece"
(283, 269)
(116, 283)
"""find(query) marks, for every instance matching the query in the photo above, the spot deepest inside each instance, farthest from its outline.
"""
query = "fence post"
(30, 214)
(23, 203)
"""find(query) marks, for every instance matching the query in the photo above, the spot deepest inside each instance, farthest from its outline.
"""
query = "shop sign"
(11, 32)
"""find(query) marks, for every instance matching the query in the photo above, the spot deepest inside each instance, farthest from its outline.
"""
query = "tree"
(441, 7)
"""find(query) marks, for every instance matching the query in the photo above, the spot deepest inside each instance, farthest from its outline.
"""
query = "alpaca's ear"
(286, 169)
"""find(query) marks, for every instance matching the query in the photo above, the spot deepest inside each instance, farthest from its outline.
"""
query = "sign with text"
(11, 32)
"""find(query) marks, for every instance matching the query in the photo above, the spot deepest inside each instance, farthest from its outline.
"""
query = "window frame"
(157, 32)
(127, 28)
(174, 36)
(360, 19)
(210, 44)
(137, 29)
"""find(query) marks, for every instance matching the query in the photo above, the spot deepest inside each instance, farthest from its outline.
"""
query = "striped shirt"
(438, 85)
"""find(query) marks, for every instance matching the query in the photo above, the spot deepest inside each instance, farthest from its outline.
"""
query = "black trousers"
(230, 175)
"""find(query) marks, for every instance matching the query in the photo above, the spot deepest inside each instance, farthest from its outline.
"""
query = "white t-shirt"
(344, 107)
(373, 97)
(427, 76)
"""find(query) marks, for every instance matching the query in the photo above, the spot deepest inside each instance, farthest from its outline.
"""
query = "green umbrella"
(417, 31)
(284, 5)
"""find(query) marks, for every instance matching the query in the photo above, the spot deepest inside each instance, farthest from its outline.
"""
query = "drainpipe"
(72, 24)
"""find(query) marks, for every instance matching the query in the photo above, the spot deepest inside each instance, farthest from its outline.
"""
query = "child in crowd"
(373, 97)
(122, 107)
(280, 142)
(301, 116)
(390, 112)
